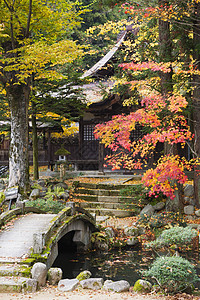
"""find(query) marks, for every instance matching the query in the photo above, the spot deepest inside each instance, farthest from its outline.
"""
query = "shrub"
(179, 236)
(137, 192)
(49, 205)
(162, 219)
(55, 194)
(173, 274)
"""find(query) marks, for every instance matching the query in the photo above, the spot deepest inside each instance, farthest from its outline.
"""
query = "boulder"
(43, 192)
(109, 232)
(197, 213)
(188, 190)
(142, 286)
(147, 210)
(132, 241)
(64, 196)
(101, 245)
(189, 209)
(131, 231)
(92, 283)
(116, 286)
(54, 275)
(189, 218)
(84, 275)
(31, 286)
(2, 186)
(68, 285)
(61, 185)
(41, 182)
(189, 200)
(159, 206)
(141, 230)
(39, 273)
(35, 194)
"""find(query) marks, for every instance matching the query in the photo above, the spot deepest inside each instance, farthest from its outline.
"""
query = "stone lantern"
(62, 160)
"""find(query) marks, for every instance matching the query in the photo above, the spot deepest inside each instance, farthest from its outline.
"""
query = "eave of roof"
(105, 59)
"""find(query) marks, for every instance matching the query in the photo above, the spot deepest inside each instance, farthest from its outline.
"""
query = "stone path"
(117, 180)
(16, 240)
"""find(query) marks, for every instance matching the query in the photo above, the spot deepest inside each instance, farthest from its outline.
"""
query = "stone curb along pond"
(84, 280)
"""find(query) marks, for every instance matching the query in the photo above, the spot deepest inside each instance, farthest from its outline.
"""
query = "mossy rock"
(2, 197)
(84, 275)
(142, 286)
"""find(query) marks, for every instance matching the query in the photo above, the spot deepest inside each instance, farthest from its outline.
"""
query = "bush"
(48, 206)
(179, 236)
(137, 192)
(55, 194)
(173, 274)
(162, 219)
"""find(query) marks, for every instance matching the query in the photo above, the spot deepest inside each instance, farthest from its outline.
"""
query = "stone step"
(20, 261)
(17, 284)
(89, 198)
(14, 270)
(104, 186)
(109, 205)
(114, 199)
(97, 192)
(119, 213)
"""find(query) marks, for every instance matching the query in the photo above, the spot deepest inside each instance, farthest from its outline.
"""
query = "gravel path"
(51, 293)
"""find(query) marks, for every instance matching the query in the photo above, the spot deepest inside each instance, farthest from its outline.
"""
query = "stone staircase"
(105, 199)
(15, 276)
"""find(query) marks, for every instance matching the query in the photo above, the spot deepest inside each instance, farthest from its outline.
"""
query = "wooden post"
(44, 140)
(195, 246)
(35, 147)
(49, 148)
(101, 158)
(81, 133)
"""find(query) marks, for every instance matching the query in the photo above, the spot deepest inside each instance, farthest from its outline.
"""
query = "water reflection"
(115, 265)
(118, 264)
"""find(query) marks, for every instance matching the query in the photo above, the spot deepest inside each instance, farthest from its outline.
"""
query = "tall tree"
(162, 103)
(196, 99)
(32, 44)
(57, 102)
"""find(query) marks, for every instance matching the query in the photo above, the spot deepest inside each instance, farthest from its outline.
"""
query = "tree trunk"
(165, 55)
(196, 102)
(35, 146)
(18, 158)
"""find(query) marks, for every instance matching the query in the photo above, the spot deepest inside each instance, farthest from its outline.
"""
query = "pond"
(115, 265)
(118, 264)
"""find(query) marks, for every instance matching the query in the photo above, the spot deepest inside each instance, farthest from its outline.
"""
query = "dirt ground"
(52, 293)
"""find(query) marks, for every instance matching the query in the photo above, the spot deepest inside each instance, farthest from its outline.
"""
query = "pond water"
(126, 264)
(115, 265)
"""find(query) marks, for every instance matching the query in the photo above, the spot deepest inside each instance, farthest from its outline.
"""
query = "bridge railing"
(40, 240)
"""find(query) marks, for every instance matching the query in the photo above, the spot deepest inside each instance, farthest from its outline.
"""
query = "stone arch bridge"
(35, 236)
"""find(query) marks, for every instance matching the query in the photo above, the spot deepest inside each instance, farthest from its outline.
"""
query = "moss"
(83, 275)
(68, 220)
(2, 197)
(39, 257)
(142, 286)
(25, 271)
(62, 151)
(29, 261)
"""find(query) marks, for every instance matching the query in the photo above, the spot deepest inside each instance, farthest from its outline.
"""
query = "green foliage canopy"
(35, 37)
